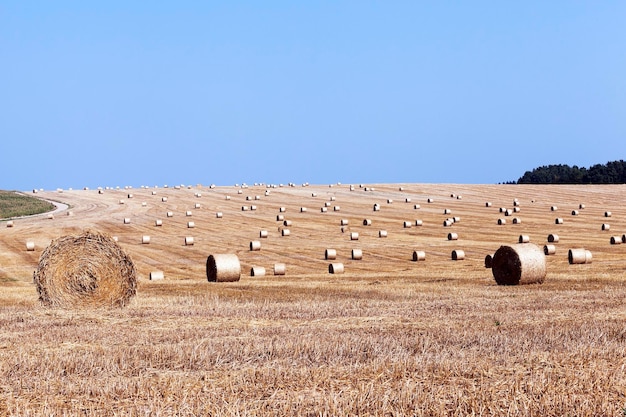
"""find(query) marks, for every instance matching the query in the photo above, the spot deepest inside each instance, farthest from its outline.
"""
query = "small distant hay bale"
(447, 211)
(285, 232)
(453, 236)
(459, 197)
(447, 223)
(219, 215)
(327, 204)
(158, 222)
(416, 207)
(227, 197)
(10, 223)
(280, 269)
(191, 225)
(280, 218)
(579, 256)
(488, 260)
(335, 268)
(581, 206)
(245, 208)
(549, 249)
(456, 219)
(287, 223)
(144, 204)
(255, 245)
(376, 207)
(153, 192)
(554, 208)
(367, 222)
(324, 209)
(418, 222)
(516, 209)
(574, 212)
(401, 189)
(407, 225)
(501, 222)
(382, 233)
(336, 208)
(170, 214)
(257, 271)
(502, 209)
(519, 264)
(303, 209)
(156, 275)
(89, 269)
(223, 267)
(458, 255)
(558, 220)
(616, 240)
(488, 204)
(145, 239)
(354, 236)
(239, 191)
(515, 203)
(606, 226)
(126, 220)
(524, 239)
(197, 205)
(389, 201)
(344, 222)
(50, 216)
(607, 214)
(252, 207)
(263, 234)
(430, 200)
(70, 213)
(248, 197)
(282, 209)
(419, 255)
(508, 212)
(357, 254)
(407, 200)
(189, 241)
(130, 196)
(188, 213)
(164, 199)
(30, 245)
(517, 220)
(330, 254)
(553, 238)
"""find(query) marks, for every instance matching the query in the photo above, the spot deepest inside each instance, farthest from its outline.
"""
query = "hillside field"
(388, 337)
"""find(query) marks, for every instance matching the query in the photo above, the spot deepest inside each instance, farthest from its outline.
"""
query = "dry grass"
(390, 337)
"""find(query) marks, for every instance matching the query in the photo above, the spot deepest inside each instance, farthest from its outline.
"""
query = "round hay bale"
(419, 222)
(344, 222)
(126, 220)
(501, 222)
(197, 205)
(223, 267)
(488, 261)
(581, 206)
(376, 207)
(227, 197)
(280, 269)
(574, 212)
(324, 209)
(516, 209)
(488, 204)
(389, 201)
(30, 245)
(382, 233)
(327, 204)
(330, 254)
(219, 215)
(70, 213)
(191, 225)
(524, 239)
(336, 208)
(255, 245)
(244, 208)
(170, 214)
(616, 240)
(257, 271)
(280, 218)
(416, 207)
(10, 223)
(282, 209)
(302, 209)
(517, 220)
(263, 234)
(164, 199)
(519, 264)
(459, 197)
(121, 201)
(285, 232)
(335, 268)
(447, 211)
(145, 239)
(287, 223)
(458, 255)
(407, 200)
(456, 219)
(158, 222)
(188, 213)
(367, 222)
(549, 249)
(558, 220)
(607, 214)
(502, 209)
(508, 212)
(447, 223)
(357, 254)
(419, 255)
(157, 275)
(553, 238)
(453, 236)
(354, 236)
(188, 241)
(554, 208)
(408, 225)
(89, 269)
(579, 256)
(606, 226)
(430, 200)
(515, 203)
(144, 204)
(253, 207)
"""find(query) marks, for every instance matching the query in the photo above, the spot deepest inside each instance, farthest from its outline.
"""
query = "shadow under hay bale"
(224, 267)
(488, 261)
(88, 270)
(519, 264)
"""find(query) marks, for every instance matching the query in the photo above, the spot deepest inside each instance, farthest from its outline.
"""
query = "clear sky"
(114, 93)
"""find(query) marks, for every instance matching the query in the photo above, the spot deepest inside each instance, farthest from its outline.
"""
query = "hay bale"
(488, 261)
(280, 218)
(158, 222)
(407, 225)
(188, 213)
(407, 200)
(382, 233)
(89, 269)
(335, 268)
(581, 206)
(367, 222)
(145, 239)
(606, 226)
(447, 223)
(197, 205)
(447, 211)
(244, 208)
(607, 214)
(287, 223)
(501, 222)
(285, 232)
(579, 256)
(456, 219)
(263, 234)
(389, 201)
(255, 245)
(257, 271)
(324, 209)
(558, 220)
(574, 212)
(10, 223)
(549, 249)
(302, 209)
(219, 215)
(519, 264)
(616, 240)
(508, 212)
(280, 269)
(488, 204)
(453, 236)
(223, 267)
(430, 200)
(30, 245)
(419, 255)
(282, 209)
(524, 239)
(502, 209)
(156, 275)
(344, 222)
(517, 220)
(336, 208)
(354, 236)
(553, 238)
(126, 220)
(330, 254)
(170, 214)
(253, 207)
(554, 208)
(516, 209)
(419, 222)
(188, 241)
(191, 225)
(357, 254)
(458, 255)
(416, 207)
(377, 207)
(164, 199)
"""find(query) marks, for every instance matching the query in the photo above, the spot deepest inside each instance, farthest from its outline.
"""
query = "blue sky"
(109, 93)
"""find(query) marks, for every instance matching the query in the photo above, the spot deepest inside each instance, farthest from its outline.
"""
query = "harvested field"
(389, 336)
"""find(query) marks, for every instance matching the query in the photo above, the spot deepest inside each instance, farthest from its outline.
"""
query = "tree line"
(610, 173)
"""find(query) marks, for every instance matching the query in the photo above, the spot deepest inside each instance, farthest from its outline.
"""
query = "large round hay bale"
(223, 267)
(335, 268)
(330, 254)
(357, 254)
(89, 269)
(519, 264)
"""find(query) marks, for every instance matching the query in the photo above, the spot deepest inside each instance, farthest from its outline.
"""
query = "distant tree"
(613, 172)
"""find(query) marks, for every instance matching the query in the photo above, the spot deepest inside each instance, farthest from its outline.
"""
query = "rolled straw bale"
(332, 198)
(558, 220)
(516, 209)
(158, 222)
(10, 223)
(336, 208)
(330, 254)
(126, 220)
(554, 208)
(302, 209)
(263, 234)
(153, 192)
(255, 245)
(188, 241)
(327, 204)
(382, 233)
(581, 206)
(253, 207)
(607, 214)
(508, 212)
(170, 214)
(419, 255)
(456, 219)
(130, 196)
(223, 267)
(458, 255)
(248, 197)
(430, 200)
(287, 223)
(488, 204)
(416, 207)
(515, 203)
(447, 223)
(354, 236)
(502, 209)
(280, 269)
(285, 232)
(344, 222)
(324, 209)
(524, 239)
(357, 254)
(30, 245)
(606, 226)
(257, 271)
(145, 239)
(188, 213)
(282, 209)
(447, 211)
(89, 269)
(459, 197)
(115, 238)
(389, 201)
(219, 215)
(244, 208)
(418, 222)
(453, 236)
(616, 240)
(553, 238)
(367, 222)
(519, 264)
(144, 204)
(239, 191)
(408, 225)
(164, 199)
(574, 212)
(517, 220)
(579, 256)
(157, 275)
(50, 216)
(191, 225)
(280, 218)
(549, 249)
(257, 197)
(401, 189)
(376, 207)
(197, 205)
(335, 268)
(227, 197)
(407, 200)
(488, 261)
